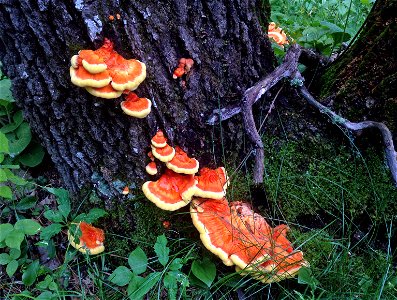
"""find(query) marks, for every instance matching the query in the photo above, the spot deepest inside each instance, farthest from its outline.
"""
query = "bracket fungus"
(240, 237)
(159, 140)
(181, 163)
(164, 154)
(105, 73)
(184, 66)
(90, 241)
(212, 183)
(172, 191)
(277, 34)
(135, 106)
(151, 168)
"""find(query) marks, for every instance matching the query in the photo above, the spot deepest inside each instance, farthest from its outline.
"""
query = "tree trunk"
(89, 139)
(362, 83)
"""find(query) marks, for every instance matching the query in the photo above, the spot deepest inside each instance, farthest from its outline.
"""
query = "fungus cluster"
(106, 74)
(230, 230)
(184, 66)
(90, 241)
(277, 34)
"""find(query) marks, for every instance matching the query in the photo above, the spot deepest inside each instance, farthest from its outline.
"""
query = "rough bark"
(362, 83)
(89, 139)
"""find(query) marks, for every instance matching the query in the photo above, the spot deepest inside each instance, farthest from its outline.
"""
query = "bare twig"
(289, 69)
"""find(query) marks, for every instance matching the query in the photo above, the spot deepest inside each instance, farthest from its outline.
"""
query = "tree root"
(289, 69)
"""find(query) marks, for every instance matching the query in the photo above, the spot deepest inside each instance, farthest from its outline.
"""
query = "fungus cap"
(82, 78)
(92, 62)
(159, 140)
(127, 74)
(164, 154)
(106, 92)
(181, 163)
(90, 241)
(277, 34)
(212, 183)
(135, 106)
(151, 168)
(172, 191)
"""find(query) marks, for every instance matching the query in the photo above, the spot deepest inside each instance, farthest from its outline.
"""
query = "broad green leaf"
(17, 120)
(14, 178)
(161, 249)
(26, 203)
(28, 226)
(23, 136)
(12, 268)
(3, 176)
(81, 217)
(42, 285)
(4, 148)
(47, 295)
(49, 231)
(138, 261)
(204, 270)
(135, 283)
(121, 276)
(5, 92)
(4, 258)
(5, 229)
(1, 156)
(94, 214)
(15, 253)
(30, 274)
(305, 276)
(62, 199)
(53, 215)
(5, 192)
(171, 284)
(32, 156)
(176, 264)
(137, 291)
(14, 239)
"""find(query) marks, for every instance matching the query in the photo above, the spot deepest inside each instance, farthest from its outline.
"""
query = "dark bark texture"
(89, 139)
(362, 83)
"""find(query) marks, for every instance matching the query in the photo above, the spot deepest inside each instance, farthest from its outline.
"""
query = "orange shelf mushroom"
(135, 106)
(277, 34)
(151, 168)
(90, 241)
(164, 154)
(95, 69)
(243, 238)
(184, 66)
(159, 140)
(172, 191)
(212, 183)
(181, 163)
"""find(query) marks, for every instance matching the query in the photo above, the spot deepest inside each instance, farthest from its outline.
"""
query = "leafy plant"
(171, 278)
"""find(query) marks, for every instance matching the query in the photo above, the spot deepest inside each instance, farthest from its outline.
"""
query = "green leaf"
(5, 229)
(30, 274)
(62, 199)
(138, 261)
(204, 270)
(5, 192)
(12, 268)
(28, 226)
(42, 285)
(18, 119)
(53, 215)
(32, 156)
(14, 239)
(26, 203)
(5, 92)
(305, 276)
(171, 284)
(4, 258)
(4, 147)
(136, 290)
(176, 264)
(1, 155)
(3, 176)
(94, 214)
(47, 295)
(121, 276)
(15, 253)
(21, 140)
(161, 249)
(14, 178)
(135, 283)
(49, 231)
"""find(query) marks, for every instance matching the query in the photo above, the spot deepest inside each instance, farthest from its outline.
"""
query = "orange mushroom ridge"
(277, 34)
(212, 183)
(243, 238)
(135, 106)
(159, 140)
(181, 163)
(172, 191)
(105, 73)
(90, 241)
(151, 168)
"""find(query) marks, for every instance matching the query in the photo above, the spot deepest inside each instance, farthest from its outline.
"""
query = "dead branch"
(289, 69)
